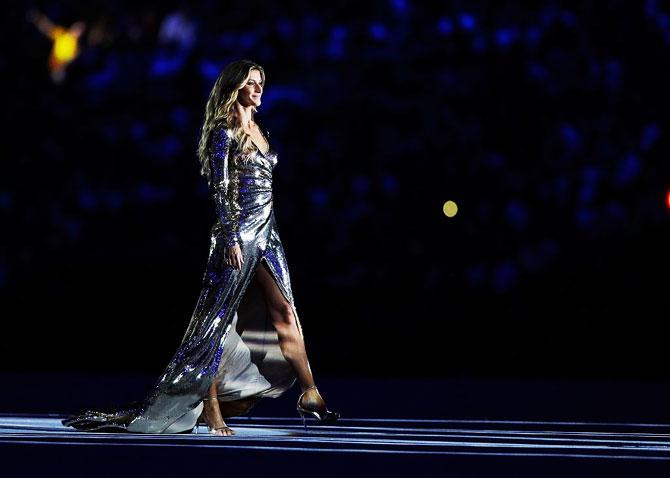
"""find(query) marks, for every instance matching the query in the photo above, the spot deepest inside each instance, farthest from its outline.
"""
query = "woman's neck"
(246, 116)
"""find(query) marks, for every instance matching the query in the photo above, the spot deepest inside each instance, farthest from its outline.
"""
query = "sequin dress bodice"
(255, 180)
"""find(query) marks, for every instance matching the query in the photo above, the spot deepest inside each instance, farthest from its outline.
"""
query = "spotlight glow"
(667, 199)
(450, 208)
(65, 46)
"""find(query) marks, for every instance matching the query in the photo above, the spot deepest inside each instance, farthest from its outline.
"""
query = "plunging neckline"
(260, 130)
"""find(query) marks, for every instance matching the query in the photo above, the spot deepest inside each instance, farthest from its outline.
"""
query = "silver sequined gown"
(230, 336)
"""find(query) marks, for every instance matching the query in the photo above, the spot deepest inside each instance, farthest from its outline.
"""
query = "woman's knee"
(283, 314)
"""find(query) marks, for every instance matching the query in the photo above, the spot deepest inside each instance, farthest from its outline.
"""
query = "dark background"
(546, 122)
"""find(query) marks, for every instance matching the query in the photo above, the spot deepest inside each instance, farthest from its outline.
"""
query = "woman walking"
(244, 341)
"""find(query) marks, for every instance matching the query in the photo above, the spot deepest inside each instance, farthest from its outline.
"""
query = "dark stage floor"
(273, 441)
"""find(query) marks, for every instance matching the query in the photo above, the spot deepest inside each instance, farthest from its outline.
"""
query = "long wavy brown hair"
(220, 110)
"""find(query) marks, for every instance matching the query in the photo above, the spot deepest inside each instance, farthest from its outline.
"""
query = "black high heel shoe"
(323, 415)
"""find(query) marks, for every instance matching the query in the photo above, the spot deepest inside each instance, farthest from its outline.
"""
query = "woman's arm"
(225, 182)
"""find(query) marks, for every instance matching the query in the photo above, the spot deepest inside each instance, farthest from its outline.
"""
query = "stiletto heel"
(304, 421)
(323, 415)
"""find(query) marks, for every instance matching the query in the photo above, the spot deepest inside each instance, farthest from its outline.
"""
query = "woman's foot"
(311, 399)
(211, 413)
(312, 403)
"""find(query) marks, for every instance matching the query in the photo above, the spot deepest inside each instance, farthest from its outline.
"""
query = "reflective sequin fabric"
(230, 337)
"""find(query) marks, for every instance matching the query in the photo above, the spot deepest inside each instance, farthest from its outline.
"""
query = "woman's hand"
(233, 256)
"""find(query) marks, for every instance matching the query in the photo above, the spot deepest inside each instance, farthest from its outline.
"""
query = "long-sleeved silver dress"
(230, 337)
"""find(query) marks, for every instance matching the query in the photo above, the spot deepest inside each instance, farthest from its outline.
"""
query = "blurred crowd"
(543, 121)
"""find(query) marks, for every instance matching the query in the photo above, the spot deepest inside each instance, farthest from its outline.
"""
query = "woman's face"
(250, 93)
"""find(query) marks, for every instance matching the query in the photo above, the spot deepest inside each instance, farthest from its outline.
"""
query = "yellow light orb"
(450, 208)
(65, 47)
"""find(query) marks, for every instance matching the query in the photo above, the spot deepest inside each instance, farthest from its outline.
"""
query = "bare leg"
(291, 341)
(212, 413)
